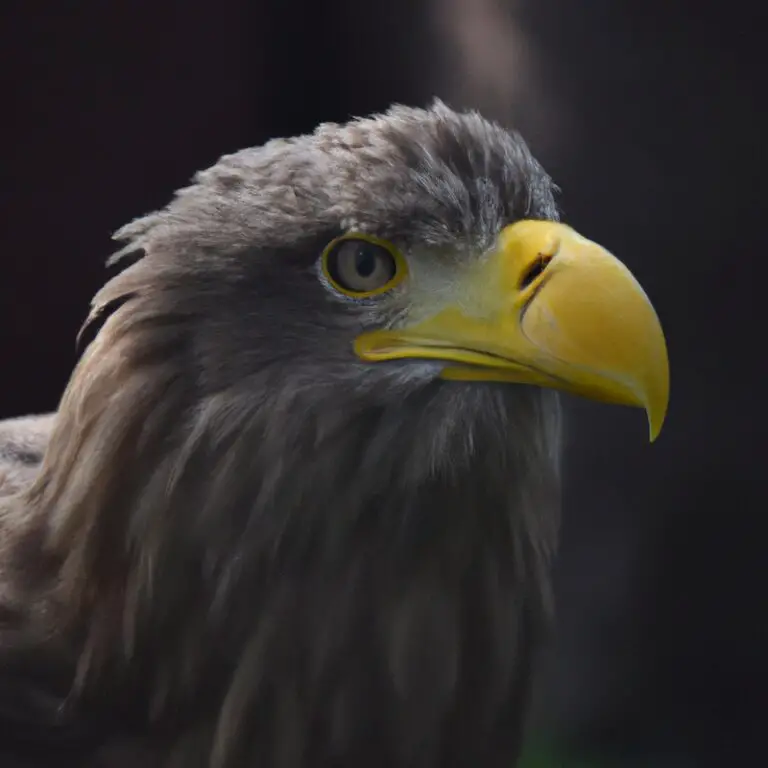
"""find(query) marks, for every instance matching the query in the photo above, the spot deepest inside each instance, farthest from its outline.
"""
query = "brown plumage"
(247, 546)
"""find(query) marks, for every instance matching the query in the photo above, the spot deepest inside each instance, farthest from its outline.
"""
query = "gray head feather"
(433, 176)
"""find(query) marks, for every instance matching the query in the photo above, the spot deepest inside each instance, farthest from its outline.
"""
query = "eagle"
(299, 500)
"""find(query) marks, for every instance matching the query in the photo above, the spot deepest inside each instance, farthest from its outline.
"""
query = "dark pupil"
(365, 261)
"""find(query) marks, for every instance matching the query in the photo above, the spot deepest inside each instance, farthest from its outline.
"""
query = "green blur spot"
(544, 756)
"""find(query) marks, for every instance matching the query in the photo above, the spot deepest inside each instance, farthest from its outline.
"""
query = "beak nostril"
(534, 270)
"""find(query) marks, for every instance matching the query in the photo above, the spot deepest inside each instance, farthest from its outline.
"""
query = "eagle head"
(301, 495)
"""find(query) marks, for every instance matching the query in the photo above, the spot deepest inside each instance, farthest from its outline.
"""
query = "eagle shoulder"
(23, 441)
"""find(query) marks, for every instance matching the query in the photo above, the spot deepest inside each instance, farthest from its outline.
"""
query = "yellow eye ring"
(361, 266)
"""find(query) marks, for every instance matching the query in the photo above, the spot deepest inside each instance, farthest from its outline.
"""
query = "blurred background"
(650, 115)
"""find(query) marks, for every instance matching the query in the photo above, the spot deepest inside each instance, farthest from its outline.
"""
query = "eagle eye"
(362, 265)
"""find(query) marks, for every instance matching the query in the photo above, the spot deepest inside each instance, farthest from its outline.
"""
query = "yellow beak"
(547, 307)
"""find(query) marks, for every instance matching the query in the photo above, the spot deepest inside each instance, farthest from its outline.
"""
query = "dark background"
(650, 115)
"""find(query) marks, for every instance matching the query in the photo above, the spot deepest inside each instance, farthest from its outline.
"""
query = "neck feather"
(237, 551)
